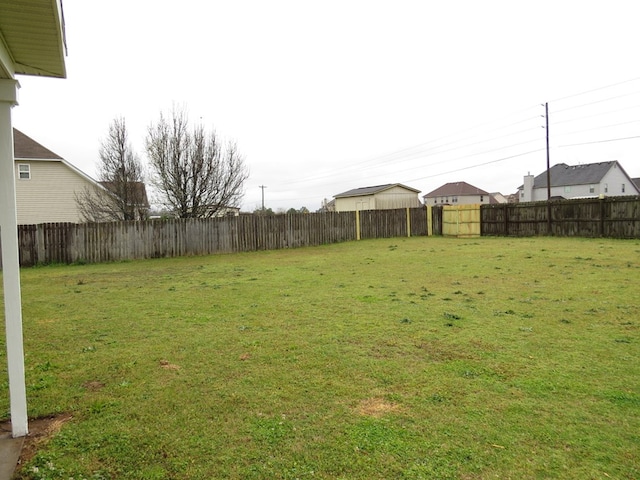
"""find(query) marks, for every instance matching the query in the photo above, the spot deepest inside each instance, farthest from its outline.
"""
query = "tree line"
(195, 174)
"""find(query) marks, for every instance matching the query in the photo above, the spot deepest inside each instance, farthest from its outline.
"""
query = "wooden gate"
(461, 220)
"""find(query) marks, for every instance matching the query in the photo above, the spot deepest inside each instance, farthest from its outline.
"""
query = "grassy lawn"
(421, 358)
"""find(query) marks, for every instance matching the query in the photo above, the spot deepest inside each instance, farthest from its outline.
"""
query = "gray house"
(579, 181)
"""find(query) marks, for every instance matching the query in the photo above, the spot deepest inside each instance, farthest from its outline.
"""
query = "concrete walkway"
(10, 449)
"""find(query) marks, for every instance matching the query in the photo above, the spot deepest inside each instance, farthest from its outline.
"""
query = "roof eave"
(19, 55)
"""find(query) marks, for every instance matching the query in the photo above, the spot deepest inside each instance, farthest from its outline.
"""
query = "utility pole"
(546, 117)
(262, 187)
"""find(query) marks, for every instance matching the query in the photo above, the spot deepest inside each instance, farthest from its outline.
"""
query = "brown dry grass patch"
(376, 407)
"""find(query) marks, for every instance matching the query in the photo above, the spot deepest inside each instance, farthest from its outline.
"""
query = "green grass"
(421, 358)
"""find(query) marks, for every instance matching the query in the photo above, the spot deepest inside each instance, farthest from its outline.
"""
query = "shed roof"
(357, 192)
(32, 37)
(456, 188)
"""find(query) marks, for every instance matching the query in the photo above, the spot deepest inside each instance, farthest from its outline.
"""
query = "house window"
(567, 189)
(454, 199)
(606, 188)
(592, 189)
(481, 198)
(623, 188)
(24, 172)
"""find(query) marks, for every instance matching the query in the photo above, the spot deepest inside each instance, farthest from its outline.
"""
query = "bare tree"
(121, 194)
(196, 176)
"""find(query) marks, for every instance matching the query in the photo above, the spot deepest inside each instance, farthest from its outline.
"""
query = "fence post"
(506, 219)
(429, 221)
(40, 245)
(357, 224)
(602, 210)
(408, 223)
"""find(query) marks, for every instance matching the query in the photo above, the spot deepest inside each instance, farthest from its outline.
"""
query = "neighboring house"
(228, 212)
(327, 206)
(636, 181)
(46, 184)
(579, 181)
(379, 197)
(513, 198)
(456, 193)
(135, 192)
(497, 197)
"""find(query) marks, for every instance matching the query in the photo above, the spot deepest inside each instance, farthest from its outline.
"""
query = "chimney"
(528, 188)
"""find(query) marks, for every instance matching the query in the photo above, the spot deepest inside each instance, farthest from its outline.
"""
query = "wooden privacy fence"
(615, 217)
(104, 242)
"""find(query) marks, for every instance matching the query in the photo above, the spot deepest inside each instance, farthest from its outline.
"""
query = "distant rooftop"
(585, 174)
(25, 147)
(456, 188)
(356, 192)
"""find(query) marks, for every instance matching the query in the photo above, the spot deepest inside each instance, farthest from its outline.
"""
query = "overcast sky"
(325, 96)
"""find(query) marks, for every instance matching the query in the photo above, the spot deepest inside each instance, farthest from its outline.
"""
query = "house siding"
(460, 199)
(614, 180)
(49, 195)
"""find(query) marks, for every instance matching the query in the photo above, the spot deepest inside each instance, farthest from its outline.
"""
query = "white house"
(579, 181)
(379, 197)
(457, 193)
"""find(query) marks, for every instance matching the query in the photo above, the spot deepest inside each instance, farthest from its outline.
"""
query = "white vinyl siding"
(49, 196)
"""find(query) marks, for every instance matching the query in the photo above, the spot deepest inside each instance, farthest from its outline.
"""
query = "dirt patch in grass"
(168, 366)
(41, 430)
(376, 407)
(93, 385)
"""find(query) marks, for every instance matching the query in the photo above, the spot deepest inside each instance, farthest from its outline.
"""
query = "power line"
(415, 152)
(601, 127)
(597, 101)
(596, 89)
(436, 149)
(599, 141)
(596, 114)
(476, 165)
